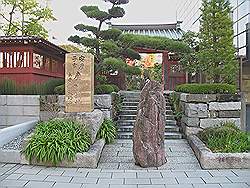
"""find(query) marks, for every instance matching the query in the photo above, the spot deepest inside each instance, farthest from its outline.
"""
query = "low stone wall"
(16, 109)
(210, 160)
(206, 110)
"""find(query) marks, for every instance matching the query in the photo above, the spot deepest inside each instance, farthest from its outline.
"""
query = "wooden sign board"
(79, 82)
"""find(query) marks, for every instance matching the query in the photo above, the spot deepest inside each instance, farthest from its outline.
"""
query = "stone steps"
(133, 117)
(129, 128)
(131, 122)
(128, 135)
(134, 112)
(127, 117)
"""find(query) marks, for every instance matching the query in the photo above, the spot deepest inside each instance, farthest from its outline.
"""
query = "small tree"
(24, 17)
(216, 49)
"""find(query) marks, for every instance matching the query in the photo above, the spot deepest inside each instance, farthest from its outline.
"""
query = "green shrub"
(206, 88)
(56, 140)
(60, 90)
(117, 105)
(175, 103)
(104, 89)
(51, 84)
(107, 131)
(115, 87)
(225, 138)
(101, 79)
(8, 87)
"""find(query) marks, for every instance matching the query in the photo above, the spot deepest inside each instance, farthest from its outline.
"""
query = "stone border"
(210, 160)
(87, 159)
(9, 133)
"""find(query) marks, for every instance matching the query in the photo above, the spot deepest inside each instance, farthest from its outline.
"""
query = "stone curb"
(87, 159)
(210, 160)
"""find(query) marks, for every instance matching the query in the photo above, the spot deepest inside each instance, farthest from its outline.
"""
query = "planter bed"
(210, 160)
(13, 139)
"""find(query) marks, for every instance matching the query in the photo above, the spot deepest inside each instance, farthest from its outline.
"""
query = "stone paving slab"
(181, 171)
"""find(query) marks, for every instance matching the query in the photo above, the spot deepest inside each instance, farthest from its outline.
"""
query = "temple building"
(28, 59)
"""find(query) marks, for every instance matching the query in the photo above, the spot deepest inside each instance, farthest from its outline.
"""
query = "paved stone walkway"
(119, 155)
(116, 170)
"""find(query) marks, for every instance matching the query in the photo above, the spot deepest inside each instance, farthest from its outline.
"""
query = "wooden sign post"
(79, 82)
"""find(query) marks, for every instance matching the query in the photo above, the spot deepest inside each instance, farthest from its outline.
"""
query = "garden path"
(119, 155)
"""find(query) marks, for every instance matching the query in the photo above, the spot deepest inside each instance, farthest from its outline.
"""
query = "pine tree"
(216, 49)
(109, 52)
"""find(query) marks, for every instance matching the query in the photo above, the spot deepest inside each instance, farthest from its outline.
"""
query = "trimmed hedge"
(104, 89)
(60, 90)
(9, 87)
(206, 88)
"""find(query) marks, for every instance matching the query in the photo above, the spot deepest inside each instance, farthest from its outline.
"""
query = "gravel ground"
(16, 143)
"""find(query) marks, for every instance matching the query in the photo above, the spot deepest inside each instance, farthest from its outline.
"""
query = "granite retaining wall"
(16, 109)
(206, 110)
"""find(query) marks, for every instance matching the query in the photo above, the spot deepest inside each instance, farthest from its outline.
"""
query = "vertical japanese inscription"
(79, 82)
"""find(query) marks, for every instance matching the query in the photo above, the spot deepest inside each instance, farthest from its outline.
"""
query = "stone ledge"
(219, 106)
(87, 159)
(8, 134)
(210, 122)
(210, 160)
(199, 98)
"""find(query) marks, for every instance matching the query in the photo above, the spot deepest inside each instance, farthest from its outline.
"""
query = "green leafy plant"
(108, 131)
(57, 140)
(117, 105)
(104, 89)
(225, 138)
(207, 88)
(115, 87)
(176, 105)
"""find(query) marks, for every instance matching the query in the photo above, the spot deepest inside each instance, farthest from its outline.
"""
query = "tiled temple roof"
(171, 31)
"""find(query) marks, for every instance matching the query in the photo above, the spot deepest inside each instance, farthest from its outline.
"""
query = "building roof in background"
(171, 31)
(8, 40)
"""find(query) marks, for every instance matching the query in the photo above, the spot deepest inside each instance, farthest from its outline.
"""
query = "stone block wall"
(101, 102)
(206, 110)
(15, 109)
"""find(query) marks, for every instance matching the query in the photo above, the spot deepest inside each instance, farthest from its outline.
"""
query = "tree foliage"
(109, 52)
(216, 49)
(70, 48)
(24, 17)
(189, 60)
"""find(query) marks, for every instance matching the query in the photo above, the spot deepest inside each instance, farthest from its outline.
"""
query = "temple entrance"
(173, 75)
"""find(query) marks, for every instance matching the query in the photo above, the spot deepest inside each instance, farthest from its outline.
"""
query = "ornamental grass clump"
(57, 140)
(107, 131)
(226, 138)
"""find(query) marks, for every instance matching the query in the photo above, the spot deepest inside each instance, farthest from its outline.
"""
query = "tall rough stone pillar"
(148, 133)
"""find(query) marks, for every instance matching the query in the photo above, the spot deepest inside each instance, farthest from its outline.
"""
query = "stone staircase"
(128, 113)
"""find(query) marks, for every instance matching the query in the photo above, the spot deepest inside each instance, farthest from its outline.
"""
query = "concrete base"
(210, 160)
(87, 159)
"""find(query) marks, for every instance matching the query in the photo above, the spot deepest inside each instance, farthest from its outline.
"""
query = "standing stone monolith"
(148, 132)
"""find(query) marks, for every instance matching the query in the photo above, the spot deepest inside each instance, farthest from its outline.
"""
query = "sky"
(68, 14)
